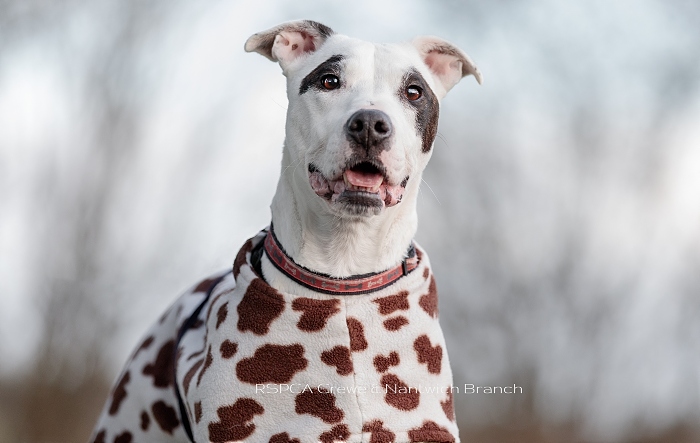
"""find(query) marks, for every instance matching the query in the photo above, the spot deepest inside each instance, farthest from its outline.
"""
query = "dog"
(326, 327)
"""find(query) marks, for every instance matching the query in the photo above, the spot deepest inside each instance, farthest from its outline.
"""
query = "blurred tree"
(77, 286)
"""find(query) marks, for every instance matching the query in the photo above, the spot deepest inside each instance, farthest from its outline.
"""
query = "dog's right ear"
(286, 42)
(447, 62)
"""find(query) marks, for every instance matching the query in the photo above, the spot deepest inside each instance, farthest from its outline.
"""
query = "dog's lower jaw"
(345, 197)
(363, 204)
(318, 238)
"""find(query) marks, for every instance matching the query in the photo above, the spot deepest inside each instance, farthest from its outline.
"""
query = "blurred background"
(140, 146)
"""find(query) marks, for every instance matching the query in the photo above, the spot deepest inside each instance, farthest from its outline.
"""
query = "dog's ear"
(447, 62)
(286, 42)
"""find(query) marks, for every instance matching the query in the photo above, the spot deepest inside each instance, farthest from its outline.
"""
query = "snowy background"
(140, 146)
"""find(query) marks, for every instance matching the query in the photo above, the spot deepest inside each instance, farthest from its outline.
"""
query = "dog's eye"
(330, 82)
(414, 92)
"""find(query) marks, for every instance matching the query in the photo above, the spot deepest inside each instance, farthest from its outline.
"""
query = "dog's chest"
(270, 366)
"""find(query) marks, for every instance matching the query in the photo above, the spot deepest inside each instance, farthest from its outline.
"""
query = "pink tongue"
(363, 179)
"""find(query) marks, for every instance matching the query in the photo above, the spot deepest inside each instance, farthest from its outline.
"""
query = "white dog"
(326, 328)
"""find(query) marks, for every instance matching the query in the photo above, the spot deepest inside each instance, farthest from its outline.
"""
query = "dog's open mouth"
(363, 185)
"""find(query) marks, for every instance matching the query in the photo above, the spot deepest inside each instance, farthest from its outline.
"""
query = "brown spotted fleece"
(265, 366)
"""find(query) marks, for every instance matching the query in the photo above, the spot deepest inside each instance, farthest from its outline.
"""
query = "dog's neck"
(322, 242)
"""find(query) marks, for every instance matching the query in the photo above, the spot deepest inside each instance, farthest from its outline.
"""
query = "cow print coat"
(235, 360)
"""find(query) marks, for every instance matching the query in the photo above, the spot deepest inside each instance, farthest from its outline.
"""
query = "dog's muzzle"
(361, 188)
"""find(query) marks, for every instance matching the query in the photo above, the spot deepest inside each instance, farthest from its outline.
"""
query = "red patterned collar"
(354, 285)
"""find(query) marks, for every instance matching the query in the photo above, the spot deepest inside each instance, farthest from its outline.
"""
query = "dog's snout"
(369, 127)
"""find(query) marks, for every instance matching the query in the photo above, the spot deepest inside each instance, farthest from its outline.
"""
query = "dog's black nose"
(369, 128)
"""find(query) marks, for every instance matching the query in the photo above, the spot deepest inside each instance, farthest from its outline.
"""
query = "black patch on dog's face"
(313, 79)
(427, 107)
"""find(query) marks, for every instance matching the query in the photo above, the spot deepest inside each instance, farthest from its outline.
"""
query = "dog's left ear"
(447, 62)
(286, 42)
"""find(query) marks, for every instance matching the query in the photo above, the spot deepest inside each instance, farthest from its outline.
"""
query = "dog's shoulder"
(143, 403)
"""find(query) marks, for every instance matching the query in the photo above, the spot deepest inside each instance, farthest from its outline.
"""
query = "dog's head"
(362, 117)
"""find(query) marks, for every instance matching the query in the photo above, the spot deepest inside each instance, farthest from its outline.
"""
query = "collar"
(353, 285)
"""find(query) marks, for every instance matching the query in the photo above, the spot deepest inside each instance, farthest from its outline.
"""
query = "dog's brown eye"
(414, 93)
(330, 81)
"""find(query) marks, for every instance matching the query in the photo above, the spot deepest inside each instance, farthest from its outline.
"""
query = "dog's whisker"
(431, 190)
(444, 140)
(295, 165)
(279, 104)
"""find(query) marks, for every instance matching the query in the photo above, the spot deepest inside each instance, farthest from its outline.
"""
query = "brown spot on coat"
(207, 363)
(241, 257)
(378, 433)
(198, 412)
(228, 349)
(188, 376)
(395, 323)
(164, 317)
(339, 357)
(124, 437)
(162, 368)
(398, 394)
(166, 416)
(204, 285)
(145, 421)
(283, 438)
(233, 421)
(337, 433)
(393, 303)
(430, 431)
(221, 314)
(119, 393)
(357, 335)
(320, 404)
(448, 406)
(315, 312)
(214, 302)
(426, 273)
(432, 355)
(144, 345)
(429, 301)
(195, 355)
(100, 437)
(260, 306)
(272, 364)
(382, 363)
